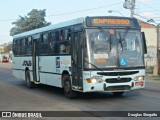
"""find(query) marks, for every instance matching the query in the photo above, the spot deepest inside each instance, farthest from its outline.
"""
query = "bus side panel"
(25, 62)
(16, 67)
(19, 66)
(52, 68)
(54, 80)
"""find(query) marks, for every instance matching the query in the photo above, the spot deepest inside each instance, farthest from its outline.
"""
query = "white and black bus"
(91, 54)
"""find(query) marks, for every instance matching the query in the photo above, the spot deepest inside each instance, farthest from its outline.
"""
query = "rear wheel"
(28, 80)
(118, 93)
(68, 92)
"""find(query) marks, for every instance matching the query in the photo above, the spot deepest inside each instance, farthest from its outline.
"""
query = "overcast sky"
(61, 10)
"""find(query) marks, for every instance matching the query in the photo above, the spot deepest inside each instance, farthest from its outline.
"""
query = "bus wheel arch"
(65, 72)
(29, 83)
(68, 92)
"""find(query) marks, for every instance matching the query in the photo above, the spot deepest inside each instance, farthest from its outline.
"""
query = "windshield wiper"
(106, 36)
(120, 41)
(94, 66)
(123, 38)
(125, 33)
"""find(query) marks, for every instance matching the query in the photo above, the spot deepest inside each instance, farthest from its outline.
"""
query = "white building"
(151, 41)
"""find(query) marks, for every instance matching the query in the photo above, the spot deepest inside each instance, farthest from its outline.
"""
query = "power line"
(84, 10)
(150, 7)
(73, 11)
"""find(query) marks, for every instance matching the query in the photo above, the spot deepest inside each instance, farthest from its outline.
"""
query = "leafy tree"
(8, 48)
(34, 19)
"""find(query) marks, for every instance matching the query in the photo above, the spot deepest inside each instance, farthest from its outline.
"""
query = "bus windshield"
(113, 48)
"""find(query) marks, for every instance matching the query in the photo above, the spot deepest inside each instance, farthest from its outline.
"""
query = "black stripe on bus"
(39, 71)
(50, 72)
(19, 69)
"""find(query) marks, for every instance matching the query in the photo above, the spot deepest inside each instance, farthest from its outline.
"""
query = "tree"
(34, 19)
(8, 48)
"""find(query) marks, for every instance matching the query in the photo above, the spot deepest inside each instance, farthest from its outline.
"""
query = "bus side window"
(53, 45)
(44, 44)
(28, 45)
(18, 46)
(14, 47)
(23, 46)
(67, 34)
(64, 47)
(61, 36)
(68, 47)
(57, 36)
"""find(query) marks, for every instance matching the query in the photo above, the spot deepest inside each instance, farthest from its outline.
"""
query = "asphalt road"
(15, 96)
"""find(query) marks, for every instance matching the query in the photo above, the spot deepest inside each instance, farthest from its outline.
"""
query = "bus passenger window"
(69, 34)
(18, 47)
(66, 34)
(14, 47)
(61, 35)
(62, 49)
(23, 46)
(53, 44)
(57, 35)
(68, 49)
(28, 45)
(44, 44)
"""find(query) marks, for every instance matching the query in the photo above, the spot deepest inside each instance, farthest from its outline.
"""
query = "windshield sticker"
(101, 60)
(100, 56)
(123, 61)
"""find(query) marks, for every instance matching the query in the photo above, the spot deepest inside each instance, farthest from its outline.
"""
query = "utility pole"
(130, 4)
(158, 48)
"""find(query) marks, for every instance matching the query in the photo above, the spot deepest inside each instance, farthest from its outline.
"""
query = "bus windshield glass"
(113, 48)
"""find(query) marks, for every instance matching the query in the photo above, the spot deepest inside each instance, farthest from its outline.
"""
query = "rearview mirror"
(144, 43)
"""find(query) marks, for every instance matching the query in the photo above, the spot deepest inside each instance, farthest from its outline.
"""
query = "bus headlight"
(139, 78)
(94, 80)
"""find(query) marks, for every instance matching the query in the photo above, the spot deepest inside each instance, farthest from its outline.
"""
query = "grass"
(156, 78)
(149, 70)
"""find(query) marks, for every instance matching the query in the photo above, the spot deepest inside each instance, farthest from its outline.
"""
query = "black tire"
(68, 92)
(28, 80)
(118, 93)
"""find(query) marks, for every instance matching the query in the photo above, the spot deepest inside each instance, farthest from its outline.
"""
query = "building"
(151, 41)
(1, 48)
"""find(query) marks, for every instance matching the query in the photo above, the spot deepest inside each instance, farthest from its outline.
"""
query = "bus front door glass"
(35, 61)
(77, 60)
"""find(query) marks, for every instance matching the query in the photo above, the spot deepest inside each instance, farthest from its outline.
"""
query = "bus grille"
(123, 87)
(115, 80)
(118, 73)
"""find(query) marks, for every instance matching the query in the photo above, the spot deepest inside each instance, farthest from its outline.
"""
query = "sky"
(62, 10)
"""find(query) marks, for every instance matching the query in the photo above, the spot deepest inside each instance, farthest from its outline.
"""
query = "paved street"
(15, 96)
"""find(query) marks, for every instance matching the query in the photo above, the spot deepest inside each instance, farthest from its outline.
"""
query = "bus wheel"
(28, 81)
(68, 92)
(118, 93)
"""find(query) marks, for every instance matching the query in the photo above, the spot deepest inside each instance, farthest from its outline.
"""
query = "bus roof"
(51, 27)
(89, 23)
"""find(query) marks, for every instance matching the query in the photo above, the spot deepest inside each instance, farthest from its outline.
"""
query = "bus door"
(35, 60)
(77, 60)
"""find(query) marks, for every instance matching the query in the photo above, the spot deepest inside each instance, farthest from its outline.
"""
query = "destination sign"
(110, 21)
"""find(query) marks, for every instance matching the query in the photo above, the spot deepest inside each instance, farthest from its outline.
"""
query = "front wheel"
(28, 81)
(68, 92)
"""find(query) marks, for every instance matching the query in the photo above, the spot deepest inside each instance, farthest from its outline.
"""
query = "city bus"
(88, 54)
